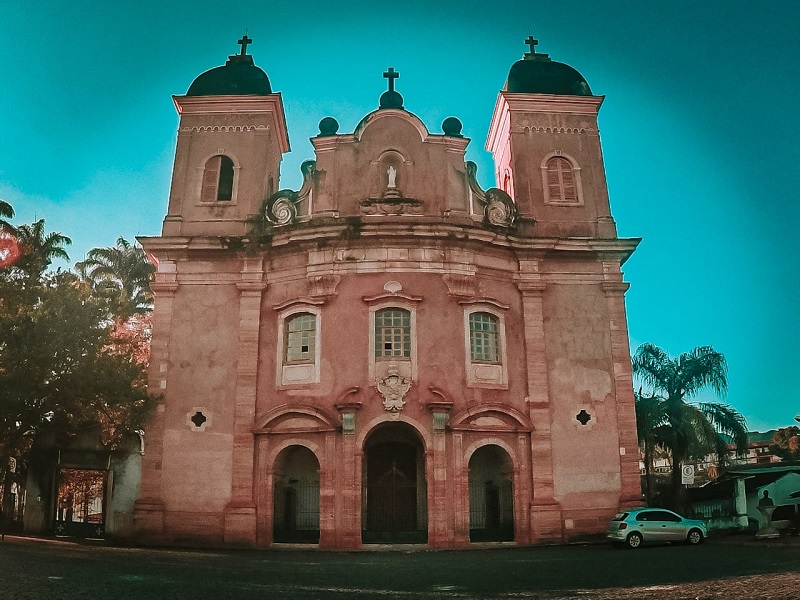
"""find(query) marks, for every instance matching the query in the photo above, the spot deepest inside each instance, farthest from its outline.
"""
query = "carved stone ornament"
(498, 207)
(281, 208)
(499, 210)
(393, 388)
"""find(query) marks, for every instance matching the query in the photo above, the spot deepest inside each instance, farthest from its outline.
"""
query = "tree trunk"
(678, 496)
(648, 472)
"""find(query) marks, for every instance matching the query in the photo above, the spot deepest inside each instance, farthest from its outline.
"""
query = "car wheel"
(695, 537)
(634, 540)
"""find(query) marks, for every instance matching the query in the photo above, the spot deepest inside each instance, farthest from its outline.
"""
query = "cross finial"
(243, 43)
(532, 43)
(391, 75)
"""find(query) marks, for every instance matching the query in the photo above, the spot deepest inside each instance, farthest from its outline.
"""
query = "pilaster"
(545, 518)
(149, 508)
(348, 507)
(440, 508)
(631, 492)
(240, 514)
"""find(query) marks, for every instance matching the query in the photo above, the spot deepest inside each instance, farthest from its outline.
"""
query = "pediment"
(295, 419)
(494, 417)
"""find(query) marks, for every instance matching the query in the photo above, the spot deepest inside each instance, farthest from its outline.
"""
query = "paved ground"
(735, 568)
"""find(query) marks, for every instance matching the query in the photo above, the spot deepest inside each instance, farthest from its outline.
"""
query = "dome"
(536, 73)
(239, 76)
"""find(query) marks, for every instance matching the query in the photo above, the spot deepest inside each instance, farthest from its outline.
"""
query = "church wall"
(580, 375)
(202, 357)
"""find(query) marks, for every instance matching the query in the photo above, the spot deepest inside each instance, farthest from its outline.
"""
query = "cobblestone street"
(44, 569)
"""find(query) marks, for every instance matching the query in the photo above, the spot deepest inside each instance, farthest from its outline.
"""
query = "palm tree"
(39, 249)
(690, 429)
(6, 212)
(123, 273)
(652, 430)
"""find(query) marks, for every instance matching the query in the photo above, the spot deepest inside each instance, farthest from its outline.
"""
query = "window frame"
(473, 335)
(398, 304)
(293, 373)
(495, 373)
(576, 175)
(234, 181)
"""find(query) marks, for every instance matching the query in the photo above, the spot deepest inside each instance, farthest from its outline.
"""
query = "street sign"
(12, 464)
(687, 474)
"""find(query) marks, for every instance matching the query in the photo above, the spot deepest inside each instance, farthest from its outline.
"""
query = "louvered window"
(484, 338)
(561, 181)
(218, 180)
(392, 333)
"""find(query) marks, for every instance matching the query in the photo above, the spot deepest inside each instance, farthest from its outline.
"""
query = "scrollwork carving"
(499, 209)
(281, 208)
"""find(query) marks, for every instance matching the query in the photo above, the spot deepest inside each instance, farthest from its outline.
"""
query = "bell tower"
(231, 138)
(546, 148)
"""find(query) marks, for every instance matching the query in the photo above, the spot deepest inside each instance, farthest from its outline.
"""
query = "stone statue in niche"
(393, 388)
(392, 191)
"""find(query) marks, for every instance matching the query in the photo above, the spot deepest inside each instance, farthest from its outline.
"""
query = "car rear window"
(619, 517)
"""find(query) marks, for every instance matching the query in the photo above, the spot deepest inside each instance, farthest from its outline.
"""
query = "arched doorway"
(296, 496)
(394, 492)
(491, 495)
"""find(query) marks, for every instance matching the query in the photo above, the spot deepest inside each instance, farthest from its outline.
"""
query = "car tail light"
(623, 526)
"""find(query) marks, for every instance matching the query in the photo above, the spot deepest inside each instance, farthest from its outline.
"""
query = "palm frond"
(700, 368)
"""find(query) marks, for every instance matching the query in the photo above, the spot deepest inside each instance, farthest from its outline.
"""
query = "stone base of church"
(148, 519)
(240, 525)
(546, 523)
(586, 521)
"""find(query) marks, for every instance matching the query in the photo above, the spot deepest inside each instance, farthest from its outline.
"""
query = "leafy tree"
(63, 363)
(39, 249)
(121, 273)
(786, 443)
(690, 429)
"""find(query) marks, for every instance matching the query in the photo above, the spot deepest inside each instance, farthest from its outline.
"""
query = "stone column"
(740, 503)
(522, 492)
(148, 514)
(631, 491)
(460, 492)
(240, 514)
(348, 507)
(545, 511)
(440, 512)
(327, 494)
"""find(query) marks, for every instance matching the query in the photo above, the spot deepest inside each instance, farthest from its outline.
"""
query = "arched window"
(561, 181)
(218, 180)
(301, 333)
(392, 333)
(484, 334)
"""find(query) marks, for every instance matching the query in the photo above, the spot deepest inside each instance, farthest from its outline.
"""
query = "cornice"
(271, 104)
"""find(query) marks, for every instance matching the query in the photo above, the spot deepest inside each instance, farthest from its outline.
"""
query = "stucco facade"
(390, 353)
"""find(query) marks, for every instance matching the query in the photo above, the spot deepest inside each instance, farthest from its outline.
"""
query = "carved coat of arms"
(393, 388)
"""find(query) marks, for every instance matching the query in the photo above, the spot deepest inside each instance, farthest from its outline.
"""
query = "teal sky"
(699, 132)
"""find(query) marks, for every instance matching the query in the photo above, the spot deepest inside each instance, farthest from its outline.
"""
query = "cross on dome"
(243, 42)
(391, 75)
(532, 42)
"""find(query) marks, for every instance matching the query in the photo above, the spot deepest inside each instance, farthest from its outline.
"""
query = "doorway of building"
(81, 503)
(491, 495)
(296, 496)
(394, 494)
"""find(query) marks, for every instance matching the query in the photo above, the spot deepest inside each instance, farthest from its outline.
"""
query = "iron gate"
(296, 512)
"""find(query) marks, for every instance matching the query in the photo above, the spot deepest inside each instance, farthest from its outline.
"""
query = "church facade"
(390, 354)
